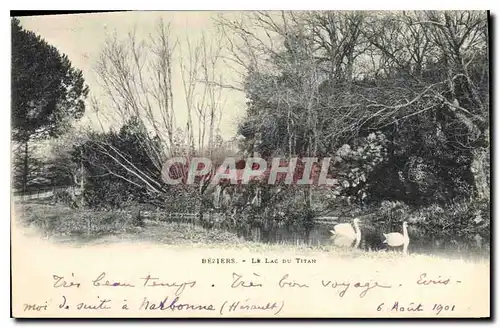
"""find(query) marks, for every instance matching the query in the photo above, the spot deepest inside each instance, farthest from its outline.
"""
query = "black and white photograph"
(210, 163)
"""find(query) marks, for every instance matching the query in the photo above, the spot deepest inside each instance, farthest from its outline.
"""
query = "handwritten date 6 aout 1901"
(397, 306)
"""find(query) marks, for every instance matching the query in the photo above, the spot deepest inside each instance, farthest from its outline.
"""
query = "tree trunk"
(211, 132)
(25, 167)
(308, 197)
(480, 173)
(479, 166)
(82, 182)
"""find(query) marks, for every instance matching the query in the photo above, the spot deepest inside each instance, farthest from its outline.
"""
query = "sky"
(81, 37)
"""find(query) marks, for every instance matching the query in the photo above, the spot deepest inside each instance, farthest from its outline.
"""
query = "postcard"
(253, 164)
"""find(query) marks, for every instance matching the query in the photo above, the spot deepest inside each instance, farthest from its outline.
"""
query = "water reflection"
(268, 231)
(345, 242)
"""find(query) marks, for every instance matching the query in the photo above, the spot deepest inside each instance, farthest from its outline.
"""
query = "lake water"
(371, 239)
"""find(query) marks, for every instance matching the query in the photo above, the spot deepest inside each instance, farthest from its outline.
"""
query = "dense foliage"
(419, 79)
(108, 182)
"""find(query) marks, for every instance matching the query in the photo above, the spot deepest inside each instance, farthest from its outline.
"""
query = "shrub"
(460, 219)
(63, 197)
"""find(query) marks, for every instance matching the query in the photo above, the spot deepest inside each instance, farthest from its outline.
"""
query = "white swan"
(346, 229)
(347, 232)
(395, 239)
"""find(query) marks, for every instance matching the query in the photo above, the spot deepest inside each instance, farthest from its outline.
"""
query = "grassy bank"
(61, 223)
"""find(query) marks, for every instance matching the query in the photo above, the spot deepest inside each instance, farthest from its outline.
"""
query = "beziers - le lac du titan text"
(257, 260)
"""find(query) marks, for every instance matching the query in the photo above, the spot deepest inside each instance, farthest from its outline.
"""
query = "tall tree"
(47, 92)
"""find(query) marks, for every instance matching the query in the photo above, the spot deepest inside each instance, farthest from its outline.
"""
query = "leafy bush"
(460, 223)
(63, 197)
(138, 220)
(109, 182)
(463, 220)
